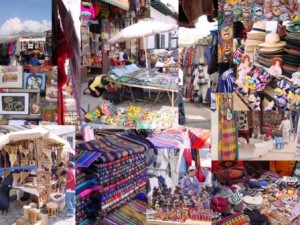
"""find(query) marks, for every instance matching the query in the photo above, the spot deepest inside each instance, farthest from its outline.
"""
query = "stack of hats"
(292, 57)
(270, 49)
(255, 37)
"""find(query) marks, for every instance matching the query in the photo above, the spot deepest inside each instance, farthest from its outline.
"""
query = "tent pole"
(145, 47)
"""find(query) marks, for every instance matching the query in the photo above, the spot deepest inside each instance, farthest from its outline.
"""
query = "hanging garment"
(226, 83)
(227, 127)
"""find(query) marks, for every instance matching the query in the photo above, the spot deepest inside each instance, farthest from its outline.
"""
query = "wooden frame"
(14, 103)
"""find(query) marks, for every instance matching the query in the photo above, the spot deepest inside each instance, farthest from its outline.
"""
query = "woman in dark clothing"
(4, 194)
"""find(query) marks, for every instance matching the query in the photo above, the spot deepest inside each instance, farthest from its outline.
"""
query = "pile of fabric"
(111, 172)
(257, 195)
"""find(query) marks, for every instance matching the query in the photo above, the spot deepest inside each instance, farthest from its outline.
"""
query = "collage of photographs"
(150, 112)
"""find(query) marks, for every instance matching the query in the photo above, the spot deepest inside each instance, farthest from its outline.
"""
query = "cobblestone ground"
(15, 212)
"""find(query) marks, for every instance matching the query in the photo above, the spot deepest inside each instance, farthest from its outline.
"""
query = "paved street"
(15, 212)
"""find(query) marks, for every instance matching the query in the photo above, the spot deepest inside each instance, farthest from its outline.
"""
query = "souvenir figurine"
(276, 7)
(172, 216)
(258, 11)
(226, 33)
(260, 2)
(157, 206)
(268, 13)
(284, 17)
(227, 9)
(232, 2)
(220, 7)
(237, 12)
(280, 98)
(243, 70)
(293, 6)
(250, 2)
(246, 12)
(275, 70)
(267, 5)
(178, 215)
(243, 2)
(294, 16)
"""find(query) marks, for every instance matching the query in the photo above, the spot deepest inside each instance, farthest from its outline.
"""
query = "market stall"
(255, 192)
(29, 156)
(28, 96)
(182, 157)
(111, 178)
(136, 82)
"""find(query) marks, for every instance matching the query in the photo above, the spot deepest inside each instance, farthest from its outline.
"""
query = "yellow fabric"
(282, 168)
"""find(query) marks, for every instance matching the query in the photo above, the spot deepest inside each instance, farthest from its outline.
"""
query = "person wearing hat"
(190, 183)
(34, 61)
(70, 189)
(285, 126)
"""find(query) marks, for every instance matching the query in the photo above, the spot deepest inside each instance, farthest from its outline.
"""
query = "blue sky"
(24, 10)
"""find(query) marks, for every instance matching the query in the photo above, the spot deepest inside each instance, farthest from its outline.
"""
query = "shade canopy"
(35, 133)
(143, 28)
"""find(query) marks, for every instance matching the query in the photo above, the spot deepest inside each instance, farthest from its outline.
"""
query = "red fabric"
(11, 45)
(70, 179)
(221, 165)
(188, 156)
(200, 176)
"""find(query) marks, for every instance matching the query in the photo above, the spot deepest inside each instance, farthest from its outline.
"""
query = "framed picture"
(11, 77)
(35, 81)
(35, 109)
(14, 103)
(50, 115)
(51, 93)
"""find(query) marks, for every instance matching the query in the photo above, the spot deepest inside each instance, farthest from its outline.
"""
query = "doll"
(243, 70)
(275, 70)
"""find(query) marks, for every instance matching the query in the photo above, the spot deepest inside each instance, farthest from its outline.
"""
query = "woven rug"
(133, 213)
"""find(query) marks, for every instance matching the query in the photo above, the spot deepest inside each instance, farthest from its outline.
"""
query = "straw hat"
(258, 27)
(273, 41)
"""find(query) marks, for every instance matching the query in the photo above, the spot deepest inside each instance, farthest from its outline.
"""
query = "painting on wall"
(14, 103)
(35, 81)
(11, 77)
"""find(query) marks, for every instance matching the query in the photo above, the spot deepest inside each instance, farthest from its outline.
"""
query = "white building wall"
(164, 19)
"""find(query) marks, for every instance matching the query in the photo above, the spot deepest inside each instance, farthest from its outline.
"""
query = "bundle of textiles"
(112, 171)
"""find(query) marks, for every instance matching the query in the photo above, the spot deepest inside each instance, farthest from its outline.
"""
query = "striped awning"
(123, 4)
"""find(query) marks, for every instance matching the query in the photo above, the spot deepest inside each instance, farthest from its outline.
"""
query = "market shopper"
(285, 126)
(190, 183)
(142, 59)
(70, 189)
(34, 61)
(126, 57)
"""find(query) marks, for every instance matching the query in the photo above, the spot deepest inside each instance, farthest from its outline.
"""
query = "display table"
(170, 92)
(188, 222)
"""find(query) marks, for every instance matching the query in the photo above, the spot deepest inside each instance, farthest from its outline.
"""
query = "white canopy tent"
(189, 36)
(35, 133)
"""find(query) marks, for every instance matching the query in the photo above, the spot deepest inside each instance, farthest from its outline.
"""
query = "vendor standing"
(285, 126)
(190, 183)
(70, 189)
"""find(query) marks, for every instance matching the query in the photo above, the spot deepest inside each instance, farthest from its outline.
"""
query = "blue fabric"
(70, 202)
(226, 83)
(141, 196)
(19, 168)
(34, 62)
(182, 168)
(86, 184)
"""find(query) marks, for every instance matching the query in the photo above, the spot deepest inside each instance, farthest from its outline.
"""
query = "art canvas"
(14, 103)
(11, 77)
(35, 81)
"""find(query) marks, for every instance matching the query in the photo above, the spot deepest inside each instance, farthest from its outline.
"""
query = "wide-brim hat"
(258, 27)
(292, 51)
(296, 212)
(257, 36)
(271, 49)
(273, 41)
(218, 204)
(253, 42)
